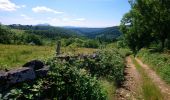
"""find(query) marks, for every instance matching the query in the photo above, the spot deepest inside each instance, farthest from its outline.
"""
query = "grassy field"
(16, 55)
(12, 56)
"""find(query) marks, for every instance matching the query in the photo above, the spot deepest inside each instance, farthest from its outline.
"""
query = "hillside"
(46, 31)
(104, 33)
(52, 32)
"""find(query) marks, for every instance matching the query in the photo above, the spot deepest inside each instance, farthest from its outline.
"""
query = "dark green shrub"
(70, 83)
(109, 64)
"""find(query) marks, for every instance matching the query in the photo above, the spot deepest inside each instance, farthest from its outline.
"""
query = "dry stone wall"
(29, 71)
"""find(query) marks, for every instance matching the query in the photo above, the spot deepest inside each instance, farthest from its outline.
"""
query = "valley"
(85, 50)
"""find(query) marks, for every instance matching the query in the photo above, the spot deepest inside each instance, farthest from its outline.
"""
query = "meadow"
(12, 56)
(16, 55)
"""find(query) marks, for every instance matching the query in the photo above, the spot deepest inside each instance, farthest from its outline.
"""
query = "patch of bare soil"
(164, 87)
(130, 88)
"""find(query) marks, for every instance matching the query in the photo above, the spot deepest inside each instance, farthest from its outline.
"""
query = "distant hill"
(104, 33)
(84, 30)
(45, 24)
(46, 31)
(109, 33)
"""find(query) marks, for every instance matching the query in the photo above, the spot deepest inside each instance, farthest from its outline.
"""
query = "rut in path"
(165, 88)
(132, 82)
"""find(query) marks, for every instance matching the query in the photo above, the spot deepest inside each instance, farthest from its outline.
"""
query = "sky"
(81, 13)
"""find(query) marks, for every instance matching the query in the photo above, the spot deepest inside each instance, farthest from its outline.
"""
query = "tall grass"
(110, 88)
(16, 55)
(12, 56)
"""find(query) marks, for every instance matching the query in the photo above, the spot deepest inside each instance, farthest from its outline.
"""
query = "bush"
(5, 35)
(8, 36)
(91, 44)
(75, 79)
(87, 43)
(64, 82)
(70, 83)
(109, 64)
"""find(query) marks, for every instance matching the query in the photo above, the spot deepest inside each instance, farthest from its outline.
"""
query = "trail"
(164, 87)
(132, 86)
(129, 89)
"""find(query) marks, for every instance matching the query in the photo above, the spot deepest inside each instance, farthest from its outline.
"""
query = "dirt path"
(129, 90)
(165, 88)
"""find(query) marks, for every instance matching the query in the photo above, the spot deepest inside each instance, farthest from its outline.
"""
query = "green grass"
(12, 56)
(16, 55)
(149, 90)
(160, 62)
(110, 87)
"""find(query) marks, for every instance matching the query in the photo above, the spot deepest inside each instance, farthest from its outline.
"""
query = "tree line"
(9, 36)
(43, 35)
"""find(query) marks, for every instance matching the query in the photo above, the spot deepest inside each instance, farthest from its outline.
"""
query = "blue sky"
(82, 13)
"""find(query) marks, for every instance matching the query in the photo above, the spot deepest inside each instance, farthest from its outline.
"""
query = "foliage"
(108, 34)
(108, 64)
(159, 62)
(123, 51)
(46, 31)
(29, 91)
(64, 82)
(75, 79)
(5, 35)
(147, 21)
(8, 36)
(68, 82)
(78, 42)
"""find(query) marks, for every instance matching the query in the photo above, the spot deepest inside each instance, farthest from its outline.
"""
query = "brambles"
(108, 64)
(68, 82)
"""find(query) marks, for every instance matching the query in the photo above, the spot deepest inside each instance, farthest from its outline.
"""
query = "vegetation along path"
(142, 83)
(164, 88)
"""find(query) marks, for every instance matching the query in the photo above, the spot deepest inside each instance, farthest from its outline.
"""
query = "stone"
(42, 72)
(20, 75)
(35, 64)
(3, 78)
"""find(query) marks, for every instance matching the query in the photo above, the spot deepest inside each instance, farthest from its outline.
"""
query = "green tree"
(147, 21)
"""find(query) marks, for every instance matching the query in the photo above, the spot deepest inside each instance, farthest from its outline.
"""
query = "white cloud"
(23, 6)
(7, 5)
(25, 17)
(65, 19)
(57, 21)
(42, 9)
(80, 19)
